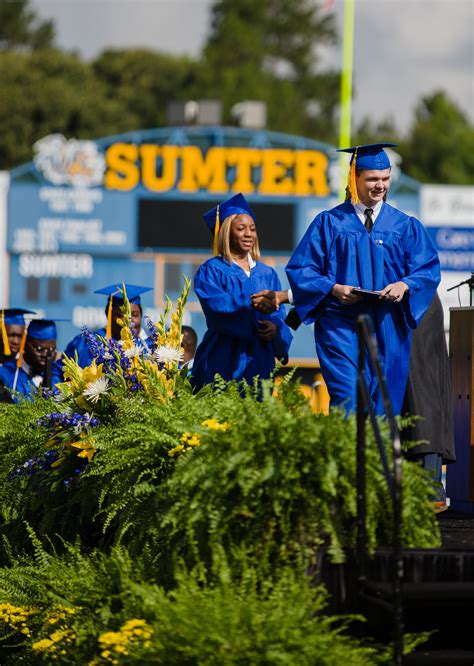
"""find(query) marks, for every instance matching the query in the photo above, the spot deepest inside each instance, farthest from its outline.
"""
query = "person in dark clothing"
(5, 395)
(428, 395)
(13, 329)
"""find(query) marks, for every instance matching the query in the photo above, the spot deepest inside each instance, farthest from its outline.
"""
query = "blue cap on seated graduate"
(43, 329)
(115, 292)
(11, 317)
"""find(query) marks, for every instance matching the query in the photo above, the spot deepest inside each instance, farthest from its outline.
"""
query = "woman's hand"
(343, 293)
(264, 301)
(267, 330)
(394, 292)
(268, 301)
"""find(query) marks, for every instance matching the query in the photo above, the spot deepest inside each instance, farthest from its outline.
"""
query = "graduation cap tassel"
(19, 360)
(108, 330)
(216, 234)
(6, 346)
(352, 185)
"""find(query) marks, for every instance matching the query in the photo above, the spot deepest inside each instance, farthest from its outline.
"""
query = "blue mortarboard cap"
(43, 329)
(133, 292)
(370, 156)
(236, 205)
(16, 316)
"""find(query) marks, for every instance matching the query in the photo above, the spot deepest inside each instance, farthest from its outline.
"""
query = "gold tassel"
(216, 234)
(108, 330)
(22, 348)
(6, 346)
(352, 185)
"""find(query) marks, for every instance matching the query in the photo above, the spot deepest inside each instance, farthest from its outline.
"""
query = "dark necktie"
(369, 223)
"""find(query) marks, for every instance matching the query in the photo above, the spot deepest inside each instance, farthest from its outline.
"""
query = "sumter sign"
(268, 171)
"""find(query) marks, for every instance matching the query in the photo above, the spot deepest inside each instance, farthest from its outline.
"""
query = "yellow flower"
(108, 638)
(130, 624)
(190, 439)
(92, 372)
(43, 645)
(213, 424)
(177, 449)
(86, 449)
(87, 454)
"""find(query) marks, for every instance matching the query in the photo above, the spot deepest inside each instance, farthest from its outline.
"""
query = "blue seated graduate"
(81, 343)
(27, 373)
(368, 244)
(243, 337)
(13, 328)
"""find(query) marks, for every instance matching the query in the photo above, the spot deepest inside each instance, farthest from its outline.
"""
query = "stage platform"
(457, 530)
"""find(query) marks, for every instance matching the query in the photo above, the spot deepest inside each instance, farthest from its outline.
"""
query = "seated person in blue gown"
(12, 321)
(113, 312)
(25, 374)
(242, 339)
(364, 243)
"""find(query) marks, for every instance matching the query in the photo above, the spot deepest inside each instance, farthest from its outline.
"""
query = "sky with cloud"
(403, 49)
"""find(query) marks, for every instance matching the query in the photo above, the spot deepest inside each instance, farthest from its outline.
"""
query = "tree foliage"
(20, 27)
(48, 91)
(269, 51)
(440, 144)
(142, 82)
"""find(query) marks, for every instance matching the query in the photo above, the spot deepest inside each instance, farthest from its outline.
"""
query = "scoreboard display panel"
(171, 224)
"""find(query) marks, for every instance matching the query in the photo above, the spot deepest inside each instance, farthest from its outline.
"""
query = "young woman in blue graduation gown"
(242, 340)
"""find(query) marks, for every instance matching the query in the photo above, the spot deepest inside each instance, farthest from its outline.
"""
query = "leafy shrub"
(106, 608)
(180, 527)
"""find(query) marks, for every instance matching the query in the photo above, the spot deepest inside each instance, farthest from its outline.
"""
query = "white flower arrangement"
(167, 354)
(96, 389)
(133, 352)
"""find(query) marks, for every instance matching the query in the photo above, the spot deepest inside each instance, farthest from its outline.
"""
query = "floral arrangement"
(121, 368)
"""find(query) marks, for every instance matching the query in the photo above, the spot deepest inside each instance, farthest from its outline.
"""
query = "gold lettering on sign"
(268, 171)
(169, 158)
(200, 171)
(122, 173)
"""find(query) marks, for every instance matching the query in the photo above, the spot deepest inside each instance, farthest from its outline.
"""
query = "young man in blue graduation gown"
(13, 328)
(25, 375)
(364, 243)
(79, 344)
(241, 341)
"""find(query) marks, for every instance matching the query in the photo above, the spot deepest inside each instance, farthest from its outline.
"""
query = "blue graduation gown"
(338, 249)
(24, 385)
(85, 357)
(231, 346)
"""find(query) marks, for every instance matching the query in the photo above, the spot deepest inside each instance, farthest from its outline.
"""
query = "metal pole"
(367, 337)
(361, 464)
(346, 88)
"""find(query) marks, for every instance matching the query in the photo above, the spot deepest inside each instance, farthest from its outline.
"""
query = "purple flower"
(69, 420)
(34, 466)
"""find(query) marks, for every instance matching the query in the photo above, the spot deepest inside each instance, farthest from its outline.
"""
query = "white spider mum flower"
(133, 352)
(165, 354)
(96, 388)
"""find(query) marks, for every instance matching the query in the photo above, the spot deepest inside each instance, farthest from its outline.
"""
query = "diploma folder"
(366, 293)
